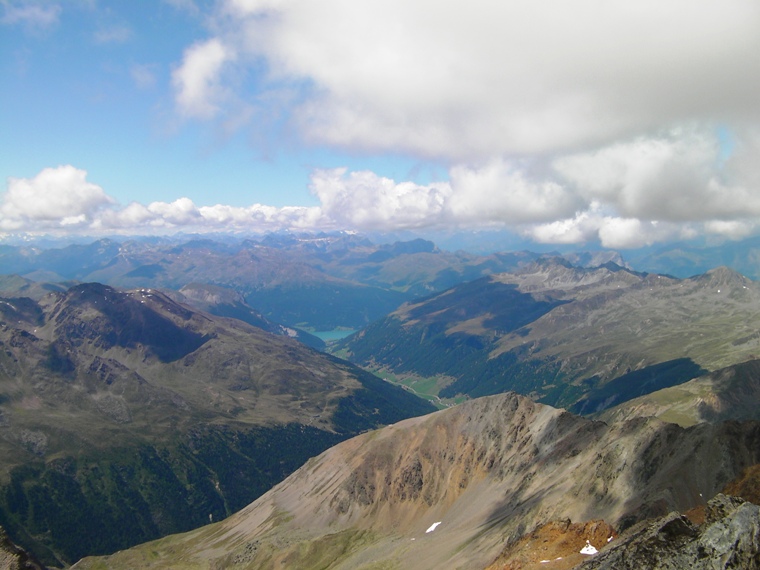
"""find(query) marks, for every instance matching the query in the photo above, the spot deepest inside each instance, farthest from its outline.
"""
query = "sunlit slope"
(731, 393)
(488, 471)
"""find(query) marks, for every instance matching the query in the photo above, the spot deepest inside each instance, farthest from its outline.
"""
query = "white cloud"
(197, 81)
(581, 228)
(674, 177)
(732, 229)
(364, 200)
(615, 232)
(60, 200)
(569, 122)
(55, 196)
(623, 196)
(504, 192)
(34, 15)
(467, 81)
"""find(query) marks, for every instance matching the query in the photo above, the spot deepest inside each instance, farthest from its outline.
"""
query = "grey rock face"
(729, 539)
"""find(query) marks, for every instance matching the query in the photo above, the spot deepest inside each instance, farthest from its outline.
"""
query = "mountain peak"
(723, 277)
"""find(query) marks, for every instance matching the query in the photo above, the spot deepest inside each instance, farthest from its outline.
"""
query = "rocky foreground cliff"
(452, 489)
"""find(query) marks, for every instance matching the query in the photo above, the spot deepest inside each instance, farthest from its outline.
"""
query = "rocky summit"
(454, 488)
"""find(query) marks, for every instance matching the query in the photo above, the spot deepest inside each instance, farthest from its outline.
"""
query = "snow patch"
(433, 527)
(588, 549)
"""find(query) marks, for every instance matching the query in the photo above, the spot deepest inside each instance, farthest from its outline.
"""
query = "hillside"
(568, 336)
(731, 393)
(125, 415)
(452, 489)
(226, 302)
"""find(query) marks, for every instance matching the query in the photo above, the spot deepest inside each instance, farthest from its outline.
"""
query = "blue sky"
(618, 123)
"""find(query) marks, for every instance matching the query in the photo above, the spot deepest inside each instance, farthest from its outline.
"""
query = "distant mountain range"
(125, 415)
(581, 338)
(317, 282)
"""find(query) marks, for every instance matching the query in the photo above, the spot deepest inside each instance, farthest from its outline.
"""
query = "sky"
(609, 122)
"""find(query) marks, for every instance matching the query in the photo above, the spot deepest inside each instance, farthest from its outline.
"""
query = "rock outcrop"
(13, 557)
(729, 538)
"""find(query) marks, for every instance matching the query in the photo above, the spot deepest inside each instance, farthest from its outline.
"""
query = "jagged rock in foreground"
(730, 538)
(488, 471)
(14, 558)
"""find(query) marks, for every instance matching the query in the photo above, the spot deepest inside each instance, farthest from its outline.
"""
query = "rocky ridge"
(488, 471)
(12, 557)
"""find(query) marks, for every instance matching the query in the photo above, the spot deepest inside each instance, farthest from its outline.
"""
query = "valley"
(585, 339)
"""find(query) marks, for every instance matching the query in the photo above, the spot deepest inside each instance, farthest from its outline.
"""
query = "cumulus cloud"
(608, 196)
(505, 192)
(567, 122)
(368, 201)
(197, 81)
(675, 177)
(465, 81)
(593, 225)
(56, 196)
(60, 200)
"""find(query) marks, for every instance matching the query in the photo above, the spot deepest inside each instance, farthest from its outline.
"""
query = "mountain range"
(125, 415)
(153, 387)
(320, 282)
(582, 338)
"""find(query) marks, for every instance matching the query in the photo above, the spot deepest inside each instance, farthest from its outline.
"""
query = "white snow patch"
(433, 527)
(588, 549)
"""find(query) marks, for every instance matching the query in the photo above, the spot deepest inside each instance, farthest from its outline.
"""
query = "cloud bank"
(565, 122)
(626, 195)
